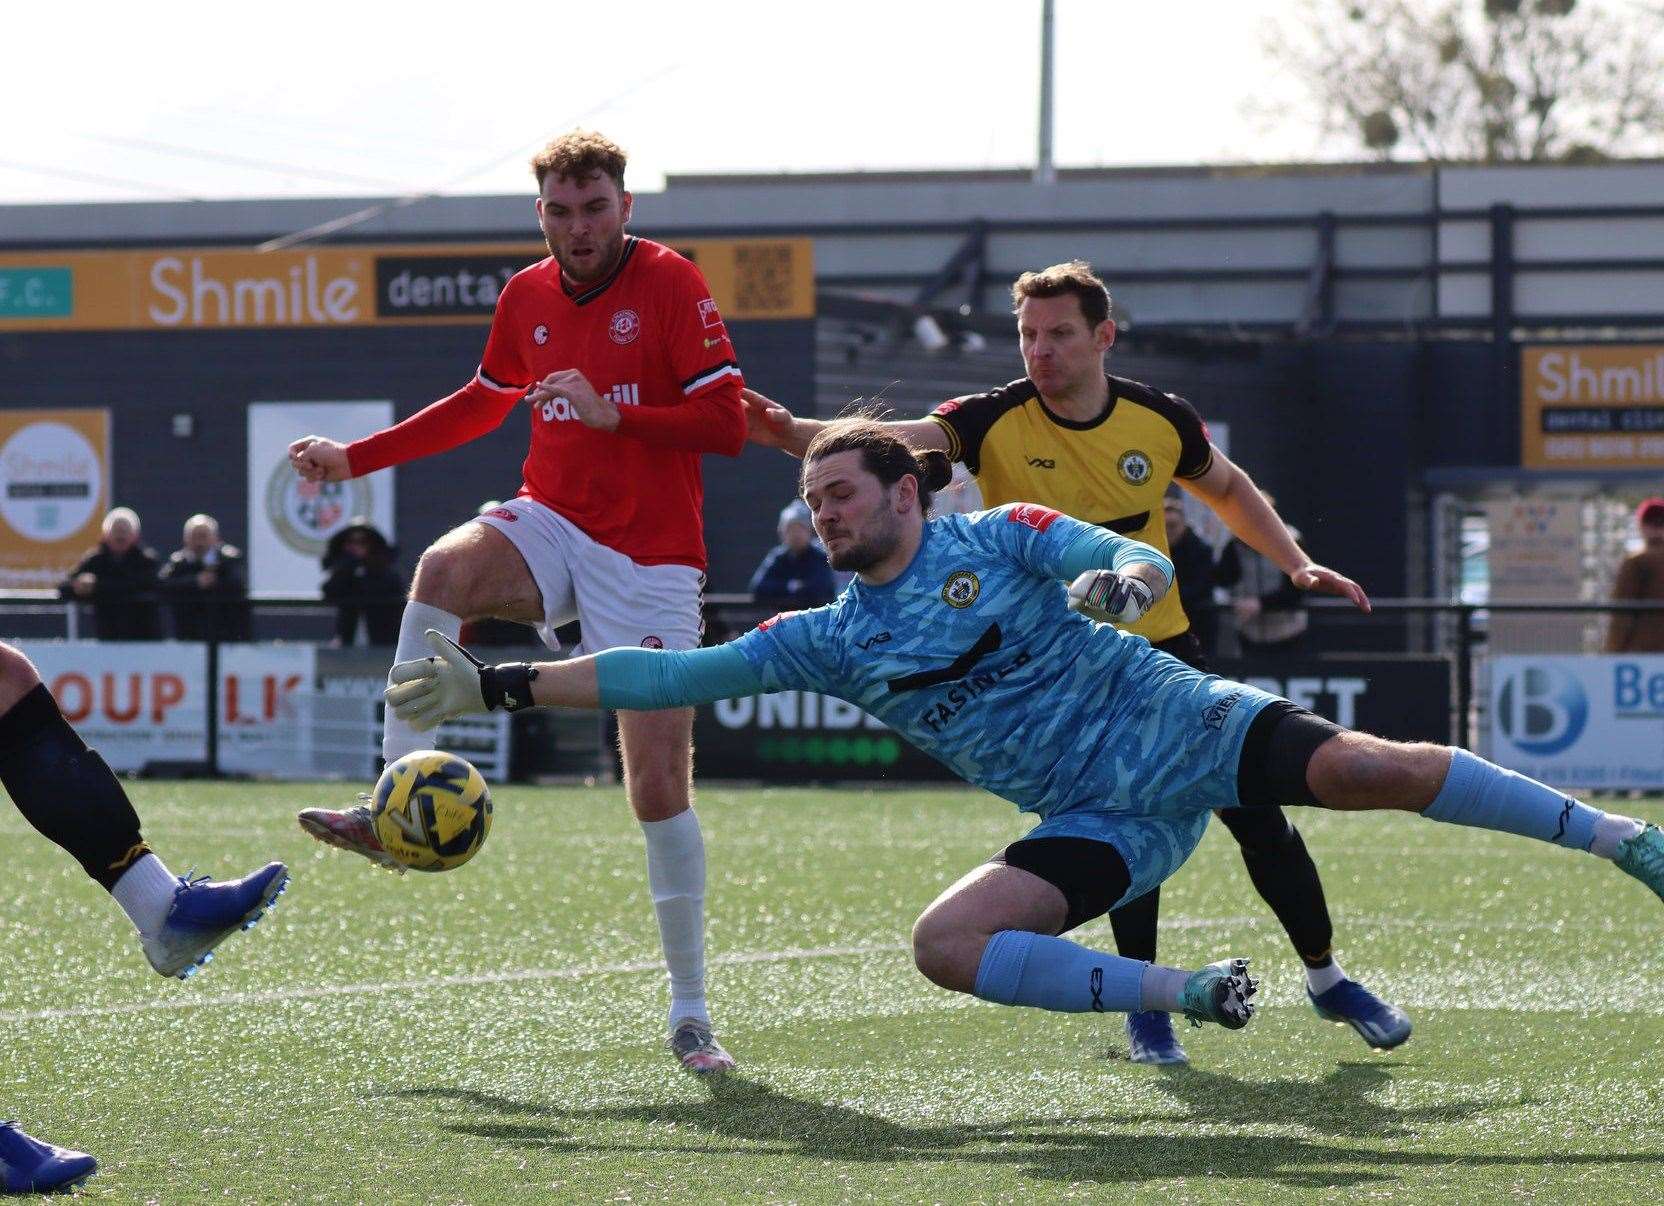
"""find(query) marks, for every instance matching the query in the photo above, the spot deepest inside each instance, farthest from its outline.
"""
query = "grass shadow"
(742, 1117)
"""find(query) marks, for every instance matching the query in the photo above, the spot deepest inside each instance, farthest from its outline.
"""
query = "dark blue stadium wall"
(145, 378)
(1339, 431)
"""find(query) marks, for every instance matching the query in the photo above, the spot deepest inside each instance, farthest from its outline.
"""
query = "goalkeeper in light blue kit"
(959, 633)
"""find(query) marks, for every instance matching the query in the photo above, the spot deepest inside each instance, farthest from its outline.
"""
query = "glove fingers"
(405, 694)
(411, 671)
(449, 651)
(422, 714)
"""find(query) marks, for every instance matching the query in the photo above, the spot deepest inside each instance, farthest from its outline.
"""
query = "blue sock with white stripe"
(1485, 796)
(1020, 968)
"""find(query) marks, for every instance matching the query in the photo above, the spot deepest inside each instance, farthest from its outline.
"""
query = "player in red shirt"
(630, 375)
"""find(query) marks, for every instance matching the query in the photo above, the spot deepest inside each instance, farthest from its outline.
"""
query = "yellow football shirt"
(1113, 470)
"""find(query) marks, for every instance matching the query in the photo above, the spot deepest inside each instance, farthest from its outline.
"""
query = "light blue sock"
(1485, 796)
(1019, 968)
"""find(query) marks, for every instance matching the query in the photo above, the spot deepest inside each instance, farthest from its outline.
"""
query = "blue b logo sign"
(1542, 709)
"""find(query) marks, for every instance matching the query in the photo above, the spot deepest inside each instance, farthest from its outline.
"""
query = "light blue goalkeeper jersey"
(973, 655)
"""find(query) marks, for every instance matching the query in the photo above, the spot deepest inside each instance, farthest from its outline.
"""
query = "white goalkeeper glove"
(427, 691)
(1110, 598)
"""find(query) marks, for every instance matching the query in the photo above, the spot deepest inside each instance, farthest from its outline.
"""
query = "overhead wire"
(371, 212)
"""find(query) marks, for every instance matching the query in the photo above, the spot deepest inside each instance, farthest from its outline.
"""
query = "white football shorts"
(615, 600)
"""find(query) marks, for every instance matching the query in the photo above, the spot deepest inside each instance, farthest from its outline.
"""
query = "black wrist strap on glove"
(508, 686)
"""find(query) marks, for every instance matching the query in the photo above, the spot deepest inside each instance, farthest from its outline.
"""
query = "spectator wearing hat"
(206, 586)
(360, 579)
(1641, 579)
(795, 573)
(119, 579)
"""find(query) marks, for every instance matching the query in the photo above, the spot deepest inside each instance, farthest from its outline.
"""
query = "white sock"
(1161, 987)
(145, 894)
(1322, 979)
(1611, 830)
(397, 737)
(676, 881)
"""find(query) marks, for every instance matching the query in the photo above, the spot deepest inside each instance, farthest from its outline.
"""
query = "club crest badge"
(624, 327)
(1135, 467)
(961, 589)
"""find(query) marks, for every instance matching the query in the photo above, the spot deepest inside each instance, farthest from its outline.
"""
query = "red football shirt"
(650, 338)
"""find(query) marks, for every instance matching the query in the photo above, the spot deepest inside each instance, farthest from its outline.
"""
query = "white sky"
(134, 102)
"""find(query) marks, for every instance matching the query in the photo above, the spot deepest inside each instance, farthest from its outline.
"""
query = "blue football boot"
(1150, 1039)
(29, 1166)
(1349, 1003)
(1643, 857)
(1222, 993)
(203, 913)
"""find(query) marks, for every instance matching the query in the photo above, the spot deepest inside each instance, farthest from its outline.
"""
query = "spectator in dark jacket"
(795, 573)
(362, 583)
(1193, 573)
(206, 585)
(119, 579)
(1270, 610)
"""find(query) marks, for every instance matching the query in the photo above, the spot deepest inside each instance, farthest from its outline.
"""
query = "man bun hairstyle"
(1075, 277)
(578, 155)
(883, 455)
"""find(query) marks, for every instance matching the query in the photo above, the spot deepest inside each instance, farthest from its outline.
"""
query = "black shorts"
(1187, 649)
(1279, 747)
(1091, 875)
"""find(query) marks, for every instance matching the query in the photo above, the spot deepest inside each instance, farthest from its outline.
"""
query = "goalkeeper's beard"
(861, 555)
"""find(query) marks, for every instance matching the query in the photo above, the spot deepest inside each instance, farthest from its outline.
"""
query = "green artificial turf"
(494, 1034)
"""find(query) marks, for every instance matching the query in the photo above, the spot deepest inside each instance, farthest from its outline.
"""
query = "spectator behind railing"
(1195, 572)
(119, 579)
(1641, 579)
(206, 585)
(794, 574)
(1270, 610)
(363, 584)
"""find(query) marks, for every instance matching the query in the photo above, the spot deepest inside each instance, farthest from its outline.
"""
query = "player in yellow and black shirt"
(1103, 448)
(1111, 470)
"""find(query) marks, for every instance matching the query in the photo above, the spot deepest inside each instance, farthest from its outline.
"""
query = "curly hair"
(578, 155)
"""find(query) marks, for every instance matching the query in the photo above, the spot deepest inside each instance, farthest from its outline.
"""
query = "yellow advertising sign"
(204, 288)
(54, 490)
(1592, 406)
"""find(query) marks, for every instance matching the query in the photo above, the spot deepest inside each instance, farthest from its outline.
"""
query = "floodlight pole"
(1045, 171)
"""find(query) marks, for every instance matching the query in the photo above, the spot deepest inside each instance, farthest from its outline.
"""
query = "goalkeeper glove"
(1110, 598)
(428, 691)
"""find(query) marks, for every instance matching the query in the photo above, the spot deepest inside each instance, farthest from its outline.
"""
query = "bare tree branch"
(1487, 80)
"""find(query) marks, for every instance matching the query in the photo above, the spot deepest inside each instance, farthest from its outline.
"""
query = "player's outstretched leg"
(30, 1165)
(67, 792)
(1356, 771)
(657, 749)
(470, 571)
(1287, 880)
(992, 935)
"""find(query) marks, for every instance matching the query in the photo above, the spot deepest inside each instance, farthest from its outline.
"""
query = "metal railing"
(1465, 632)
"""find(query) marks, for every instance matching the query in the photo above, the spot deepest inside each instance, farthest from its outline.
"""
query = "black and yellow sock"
(1286, 877)
(66, 790)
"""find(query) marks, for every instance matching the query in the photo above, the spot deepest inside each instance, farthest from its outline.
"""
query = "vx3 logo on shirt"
(1042, 462)
(882, 638)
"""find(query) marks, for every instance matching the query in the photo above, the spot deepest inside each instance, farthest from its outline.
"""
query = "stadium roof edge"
(1198, 171)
